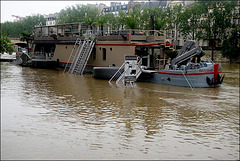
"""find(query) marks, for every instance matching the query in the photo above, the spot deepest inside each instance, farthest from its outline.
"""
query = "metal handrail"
(144, 32)
(140, 69)
(76, 57)
(118, 71)
(72, 53)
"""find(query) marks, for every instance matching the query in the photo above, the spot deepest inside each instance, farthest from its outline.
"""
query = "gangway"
(84, 49)
(129, 71)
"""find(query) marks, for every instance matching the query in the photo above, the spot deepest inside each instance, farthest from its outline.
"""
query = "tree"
(121, 19)
(230, 47)
(112, 21)
(159, 18)
(90, 15)
(26, 37)
(174, 19)
(145, 19)
(171, 53)
(132, 20)
(14, 29)
(71, 14)
(190, 21)
(6, 45)
(78, 13)
(101, 20)
(217, 16)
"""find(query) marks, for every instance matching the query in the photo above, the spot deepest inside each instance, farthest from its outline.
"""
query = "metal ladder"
(81, 56)
(78, 43)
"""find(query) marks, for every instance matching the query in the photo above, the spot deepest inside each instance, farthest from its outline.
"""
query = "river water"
(46, 114)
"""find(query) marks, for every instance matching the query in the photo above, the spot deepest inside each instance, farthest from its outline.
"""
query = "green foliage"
(101, 20)
(6, 45)
(145, 19)
(160, 18)
(202, 54)
(14, 29)
(121, 19)
(190, 21)
(112, 21)
(78, 13)
(174, 20)
(171, 53)
(217, 18)
(107, 20)
(90, 15)
(133, 19)
(187, 20)
(26, 37)
(202, 19)
(173, 16)
(230, 47)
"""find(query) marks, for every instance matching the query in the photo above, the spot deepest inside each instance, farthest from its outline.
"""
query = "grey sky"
(28, 8)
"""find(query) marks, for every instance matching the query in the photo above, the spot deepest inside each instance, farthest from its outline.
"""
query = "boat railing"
(118, 74)
(139, 69)
(72, 32)
(132, 35)
(41, 55)
(77, 43)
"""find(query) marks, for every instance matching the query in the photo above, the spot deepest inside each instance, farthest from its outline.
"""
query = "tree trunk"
(212, 53)
(212, 48)
(230, 60)
(27, 46)
(102, 29)
(175, 37)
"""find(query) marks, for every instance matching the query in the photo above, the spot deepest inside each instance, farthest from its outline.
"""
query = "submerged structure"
(103, 52)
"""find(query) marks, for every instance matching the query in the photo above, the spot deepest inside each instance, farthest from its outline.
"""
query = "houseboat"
(103, 52)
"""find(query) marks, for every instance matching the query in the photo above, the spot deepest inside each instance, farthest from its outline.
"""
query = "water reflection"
(63, 116)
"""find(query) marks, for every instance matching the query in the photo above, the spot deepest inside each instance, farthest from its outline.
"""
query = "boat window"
(104, 53)
(111, 49)
(94, 54)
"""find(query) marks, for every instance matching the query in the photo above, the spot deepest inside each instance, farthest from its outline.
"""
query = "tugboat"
(184, 72)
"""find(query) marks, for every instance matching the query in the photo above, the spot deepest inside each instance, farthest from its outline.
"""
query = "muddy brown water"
(46, 114)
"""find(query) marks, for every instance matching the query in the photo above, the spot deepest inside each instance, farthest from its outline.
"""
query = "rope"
(187, 81)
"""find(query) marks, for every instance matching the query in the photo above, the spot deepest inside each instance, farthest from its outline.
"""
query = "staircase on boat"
(120, 75)
(83, 52)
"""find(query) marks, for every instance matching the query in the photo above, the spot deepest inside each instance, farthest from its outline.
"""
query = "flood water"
(46, 114)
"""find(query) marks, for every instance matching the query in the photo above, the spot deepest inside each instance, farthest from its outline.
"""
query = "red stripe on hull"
(130, 44)
(65, 63)
(203, 73)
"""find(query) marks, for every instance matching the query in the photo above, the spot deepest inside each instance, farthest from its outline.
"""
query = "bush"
(6, 45)
(171, 53)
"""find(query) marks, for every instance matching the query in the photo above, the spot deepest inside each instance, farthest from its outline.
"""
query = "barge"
(102, 52)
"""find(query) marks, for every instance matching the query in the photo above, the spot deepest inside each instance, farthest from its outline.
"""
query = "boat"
(6, 57)
(183, 72)
(102, 52)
